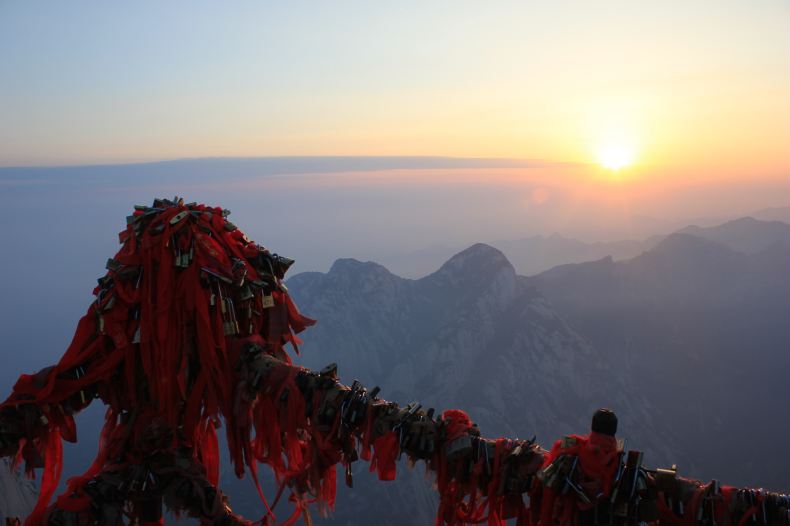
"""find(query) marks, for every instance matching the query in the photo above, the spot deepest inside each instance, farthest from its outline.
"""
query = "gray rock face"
(472, 335)
(18, 495)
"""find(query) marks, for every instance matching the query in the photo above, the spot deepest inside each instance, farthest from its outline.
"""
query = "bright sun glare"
(616, 156)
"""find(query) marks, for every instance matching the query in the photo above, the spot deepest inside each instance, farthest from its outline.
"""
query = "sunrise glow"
(629, 94)
(616, 156)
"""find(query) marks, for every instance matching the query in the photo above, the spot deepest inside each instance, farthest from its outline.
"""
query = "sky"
(679, 89)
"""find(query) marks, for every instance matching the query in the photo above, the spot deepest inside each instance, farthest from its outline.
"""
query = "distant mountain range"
(687, 341)
(747, 235)
(532, 255)
(529, 256)
(703, 329)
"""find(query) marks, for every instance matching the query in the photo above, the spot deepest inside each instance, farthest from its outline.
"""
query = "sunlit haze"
(616, 155)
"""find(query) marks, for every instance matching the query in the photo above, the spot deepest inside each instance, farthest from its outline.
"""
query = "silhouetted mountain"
(536, 254)
(703, 330)
(529, 255)
(746, 235)
(540, 253)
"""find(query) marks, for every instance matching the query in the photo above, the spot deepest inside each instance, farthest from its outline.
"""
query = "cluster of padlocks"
(187, 335)
(478, 479)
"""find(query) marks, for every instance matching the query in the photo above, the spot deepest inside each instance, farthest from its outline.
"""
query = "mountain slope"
(747, 235)
(539, 253)
(704, 330)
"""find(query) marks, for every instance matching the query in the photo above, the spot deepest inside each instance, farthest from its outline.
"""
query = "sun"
(616, 156)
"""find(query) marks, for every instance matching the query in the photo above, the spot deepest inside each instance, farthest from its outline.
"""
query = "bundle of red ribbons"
(158, 342)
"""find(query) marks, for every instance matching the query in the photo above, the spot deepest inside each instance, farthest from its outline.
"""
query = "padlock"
(113, 265)
(179, 217)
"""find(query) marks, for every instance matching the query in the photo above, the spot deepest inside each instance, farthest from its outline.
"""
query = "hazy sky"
(685, 87)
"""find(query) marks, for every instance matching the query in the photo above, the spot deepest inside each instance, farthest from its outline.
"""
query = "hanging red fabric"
(385, 453)
(53, 456)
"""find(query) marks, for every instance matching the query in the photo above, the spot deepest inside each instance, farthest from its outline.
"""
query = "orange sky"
(689, 90)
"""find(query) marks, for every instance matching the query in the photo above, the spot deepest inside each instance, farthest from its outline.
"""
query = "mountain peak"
(355, 266)
(681, 242)
(478, 260)
(691, 252)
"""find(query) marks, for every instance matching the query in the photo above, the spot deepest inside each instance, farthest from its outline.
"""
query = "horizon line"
(514, 161)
